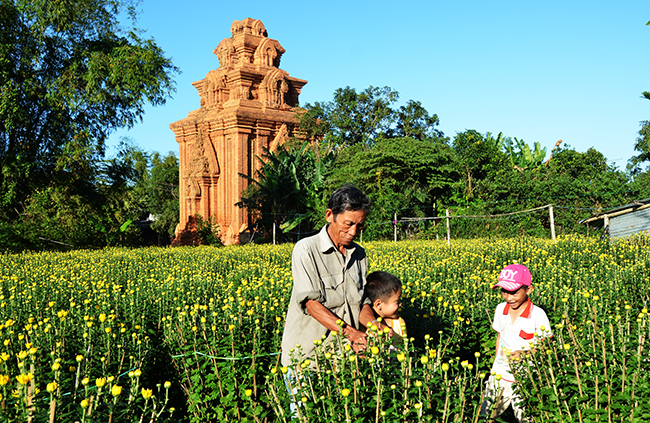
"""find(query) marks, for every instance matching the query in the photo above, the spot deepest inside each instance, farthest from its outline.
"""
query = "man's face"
(345, 226)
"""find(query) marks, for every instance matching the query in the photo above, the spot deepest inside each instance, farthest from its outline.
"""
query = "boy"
(519, 325)
(384, 290)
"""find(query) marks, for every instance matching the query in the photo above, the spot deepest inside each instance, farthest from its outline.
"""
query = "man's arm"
(366, 315)
(328, 319)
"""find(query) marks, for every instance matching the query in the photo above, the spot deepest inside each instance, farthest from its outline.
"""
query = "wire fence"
(418, 221)
(404, 226)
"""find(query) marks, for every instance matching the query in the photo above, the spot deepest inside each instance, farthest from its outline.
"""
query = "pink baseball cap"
(513, 277)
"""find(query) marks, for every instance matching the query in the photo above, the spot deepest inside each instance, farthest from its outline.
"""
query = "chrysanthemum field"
(193, 335)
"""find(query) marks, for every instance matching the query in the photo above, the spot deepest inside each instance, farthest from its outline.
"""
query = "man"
(329, 274)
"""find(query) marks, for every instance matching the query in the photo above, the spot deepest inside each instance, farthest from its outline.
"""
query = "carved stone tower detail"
(246, 104)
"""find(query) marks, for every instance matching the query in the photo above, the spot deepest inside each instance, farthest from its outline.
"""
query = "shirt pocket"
(355, 274)
(525, 335)
(355, 292)
(333, 292)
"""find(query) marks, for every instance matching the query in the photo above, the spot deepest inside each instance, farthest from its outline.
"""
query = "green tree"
(397, 155)
(479, 158)
(135, 184)
(56, 217)
(121, 188)
(578, 184)
(408, 176)
(414, 121)
(642, 145)
(351, 118)
(70, 73)
(635, 165)
(95, 210)
(162, 193)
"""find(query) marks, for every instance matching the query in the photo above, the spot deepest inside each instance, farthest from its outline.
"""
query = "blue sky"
(570, 70)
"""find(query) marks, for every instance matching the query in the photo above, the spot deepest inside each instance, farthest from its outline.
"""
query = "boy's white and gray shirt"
(531, 326)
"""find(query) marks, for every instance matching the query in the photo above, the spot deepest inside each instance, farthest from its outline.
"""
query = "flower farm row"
(193, 334)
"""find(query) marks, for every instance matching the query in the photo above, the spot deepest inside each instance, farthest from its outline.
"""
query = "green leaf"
(125, 225)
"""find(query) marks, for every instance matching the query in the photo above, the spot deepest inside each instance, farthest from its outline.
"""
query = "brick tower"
(246, 104)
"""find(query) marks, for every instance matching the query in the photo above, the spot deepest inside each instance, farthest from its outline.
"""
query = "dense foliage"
(414, 174)
(401, 174)
(76, 326)
(289, 190)
(131, 199)
(71, 72)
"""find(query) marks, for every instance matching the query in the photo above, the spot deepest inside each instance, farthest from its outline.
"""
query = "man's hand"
(356, 337)
(326, 318)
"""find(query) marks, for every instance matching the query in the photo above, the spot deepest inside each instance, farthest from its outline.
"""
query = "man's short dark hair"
(381, 285)
(348, 198)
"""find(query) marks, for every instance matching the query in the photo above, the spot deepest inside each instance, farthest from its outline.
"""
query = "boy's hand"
(516, 355)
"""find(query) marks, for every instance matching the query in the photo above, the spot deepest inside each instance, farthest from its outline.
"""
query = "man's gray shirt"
(321, 273)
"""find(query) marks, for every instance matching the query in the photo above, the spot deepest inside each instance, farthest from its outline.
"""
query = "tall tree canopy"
(351, 118)
(404, 175)
(71, 71)
(162, 193)
(414, 121)
(635, 164)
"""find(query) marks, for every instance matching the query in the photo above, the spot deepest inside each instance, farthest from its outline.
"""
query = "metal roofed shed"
(623, 221)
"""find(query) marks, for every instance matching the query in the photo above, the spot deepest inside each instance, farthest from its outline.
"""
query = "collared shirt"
(322, 273)
(523, 334)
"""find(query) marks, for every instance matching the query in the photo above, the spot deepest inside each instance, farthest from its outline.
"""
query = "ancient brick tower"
(246, 104)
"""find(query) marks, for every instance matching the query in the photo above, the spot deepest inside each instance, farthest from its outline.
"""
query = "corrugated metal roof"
(625, 220)
(628, 208)
(629, 224)
(636, 203)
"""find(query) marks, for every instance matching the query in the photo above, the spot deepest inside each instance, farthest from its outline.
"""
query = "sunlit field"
(193, 334)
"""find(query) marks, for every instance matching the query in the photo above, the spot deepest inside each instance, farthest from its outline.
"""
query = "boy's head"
(384, 290)
(515, 283)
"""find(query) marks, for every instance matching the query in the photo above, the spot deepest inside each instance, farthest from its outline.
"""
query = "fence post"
(550, 213)
(448, 230)
(273, 233)
(395, 228)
